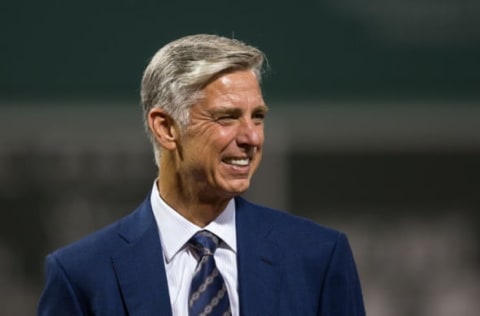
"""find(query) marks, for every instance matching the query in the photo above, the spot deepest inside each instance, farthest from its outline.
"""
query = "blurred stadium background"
(374, 129)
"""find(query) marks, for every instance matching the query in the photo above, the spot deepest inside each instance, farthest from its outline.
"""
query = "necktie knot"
(204, 243)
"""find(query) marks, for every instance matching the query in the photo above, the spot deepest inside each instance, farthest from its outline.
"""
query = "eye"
(225, 119)
(259, 117)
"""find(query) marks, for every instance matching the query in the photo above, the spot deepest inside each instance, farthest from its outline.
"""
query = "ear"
(163, 128)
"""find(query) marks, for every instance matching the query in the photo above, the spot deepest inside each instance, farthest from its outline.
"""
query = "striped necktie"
(208, 292)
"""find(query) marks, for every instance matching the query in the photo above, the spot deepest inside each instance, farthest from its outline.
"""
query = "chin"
(238, 188)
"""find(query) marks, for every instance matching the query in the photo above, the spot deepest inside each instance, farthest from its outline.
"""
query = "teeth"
(238, 162)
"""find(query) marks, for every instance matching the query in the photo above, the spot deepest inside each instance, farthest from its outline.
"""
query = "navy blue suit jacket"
(286, 266)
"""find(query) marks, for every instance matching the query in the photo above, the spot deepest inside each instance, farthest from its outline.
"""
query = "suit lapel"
(140, 269)
(259, 262)
(139, 265)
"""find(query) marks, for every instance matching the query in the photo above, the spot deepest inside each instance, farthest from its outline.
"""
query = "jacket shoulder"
(288, 224)
(103, 243)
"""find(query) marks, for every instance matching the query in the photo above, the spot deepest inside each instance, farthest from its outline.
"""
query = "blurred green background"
(335, 49)
(374, 129)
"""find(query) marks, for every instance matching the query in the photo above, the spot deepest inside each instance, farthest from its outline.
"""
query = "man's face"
(222, 146)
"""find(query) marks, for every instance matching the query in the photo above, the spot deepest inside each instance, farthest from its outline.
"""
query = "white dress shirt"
(175, 231)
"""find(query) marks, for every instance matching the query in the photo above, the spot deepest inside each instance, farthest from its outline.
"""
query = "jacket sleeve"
(58, 297)
(342, 293)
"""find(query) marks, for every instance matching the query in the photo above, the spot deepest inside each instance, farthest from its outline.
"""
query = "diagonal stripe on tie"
(208, 293)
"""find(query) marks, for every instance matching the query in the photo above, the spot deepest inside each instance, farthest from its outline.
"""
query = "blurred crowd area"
(410, 211)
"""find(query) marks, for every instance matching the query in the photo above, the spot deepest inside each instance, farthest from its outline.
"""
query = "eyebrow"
(237, 111)
(262, 107)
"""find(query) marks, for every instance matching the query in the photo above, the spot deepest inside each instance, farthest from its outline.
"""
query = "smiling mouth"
(240, 162)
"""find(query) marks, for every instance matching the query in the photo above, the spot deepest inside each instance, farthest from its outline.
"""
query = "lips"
(240, 162)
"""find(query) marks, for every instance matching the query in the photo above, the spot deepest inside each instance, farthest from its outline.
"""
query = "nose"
(250, 133)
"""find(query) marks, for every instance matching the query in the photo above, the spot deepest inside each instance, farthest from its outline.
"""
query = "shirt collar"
(175, 230)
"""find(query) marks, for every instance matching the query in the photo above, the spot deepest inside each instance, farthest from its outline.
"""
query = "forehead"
(239, 85)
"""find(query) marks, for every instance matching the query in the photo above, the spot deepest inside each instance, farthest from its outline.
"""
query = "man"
(194, 247)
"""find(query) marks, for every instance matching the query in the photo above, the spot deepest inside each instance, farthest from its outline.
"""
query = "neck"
(196, 208)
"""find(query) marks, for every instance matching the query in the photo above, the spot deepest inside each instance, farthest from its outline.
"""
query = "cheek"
(222, 138)
(262, 136)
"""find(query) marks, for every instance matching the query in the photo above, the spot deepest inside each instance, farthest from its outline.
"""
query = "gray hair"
(177, 73)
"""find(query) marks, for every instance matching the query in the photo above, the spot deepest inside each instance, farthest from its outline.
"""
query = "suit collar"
(259, 262)
(139, 266)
